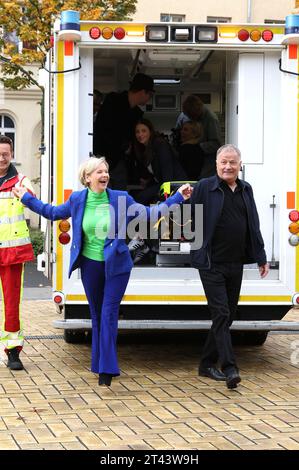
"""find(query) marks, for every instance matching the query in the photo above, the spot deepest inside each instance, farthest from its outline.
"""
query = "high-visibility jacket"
(15, 244)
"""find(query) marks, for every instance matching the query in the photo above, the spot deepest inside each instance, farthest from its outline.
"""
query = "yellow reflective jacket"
(15, 244)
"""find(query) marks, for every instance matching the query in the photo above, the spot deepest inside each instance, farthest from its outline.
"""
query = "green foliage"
(31, 21)
(37, 240)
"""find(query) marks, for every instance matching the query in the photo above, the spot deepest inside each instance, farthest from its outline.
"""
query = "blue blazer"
(116, 253)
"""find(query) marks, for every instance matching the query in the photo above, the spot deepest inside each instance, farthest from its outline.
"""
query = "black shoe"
(14, 362)
(232, 379)
(211, 372)
(105, 379)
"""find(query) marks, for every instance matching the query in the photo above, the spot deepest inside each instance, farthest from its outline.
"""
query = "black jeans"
(222, 285)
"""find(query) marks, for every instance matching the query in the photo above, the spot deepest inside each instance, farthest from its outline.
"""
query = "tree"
(29, 22)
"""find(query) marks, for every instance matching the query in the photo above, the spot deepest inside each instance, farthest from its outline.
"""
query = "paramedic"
(15, 249)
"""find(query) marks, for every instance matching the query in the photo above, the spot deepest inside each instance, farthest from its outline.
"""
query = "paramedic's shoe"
(105, 379)
(135, 244)
(211, 372)
(140, 254)
(232, 379)
(14, 362)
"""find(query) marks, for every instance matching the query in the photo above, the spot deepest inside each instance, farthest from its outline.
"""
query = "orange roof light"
(64, 225)
(107, 33)
(294, 227)
(255, 35)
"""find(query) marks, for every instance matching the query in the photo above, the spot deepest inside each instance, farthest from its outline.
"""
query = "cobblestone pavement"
(158, 402)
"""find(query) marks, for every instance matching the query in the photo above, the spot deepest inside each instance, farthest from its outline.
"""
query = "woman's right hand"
(19, 191)
(186, 191)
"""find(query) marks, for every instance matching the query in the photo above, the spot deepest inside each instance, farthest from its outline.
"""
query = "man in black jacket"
(231, 238)
(115, 124)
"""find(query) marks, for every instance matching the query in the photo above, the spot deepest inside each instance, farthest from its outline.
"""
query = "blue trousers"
(104, 299)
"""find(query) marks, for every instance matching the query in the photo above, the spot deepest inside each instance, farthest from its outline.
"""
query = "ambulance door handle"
(243, 171)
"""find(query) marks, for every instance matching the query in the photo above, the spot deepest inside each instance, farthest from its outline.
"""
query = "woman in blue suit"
(100, 219)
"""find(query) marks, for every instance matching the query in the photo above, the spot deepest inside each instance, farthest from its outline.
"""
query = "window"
(169, 17)
(219, 19)
(10, 37)
(7, 127)
(274, 21)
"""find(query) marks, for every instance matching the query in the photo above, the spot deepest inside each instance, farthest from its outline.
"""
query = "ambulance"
(245, 73)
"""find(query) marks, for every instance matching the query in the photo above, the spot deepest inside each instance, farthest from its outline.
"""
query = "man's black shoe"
(211, 372)
(232, 380)
(14, 362)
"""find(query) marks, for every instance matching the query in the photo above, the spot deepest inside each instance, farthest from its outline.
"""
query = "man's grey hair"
(231, 147)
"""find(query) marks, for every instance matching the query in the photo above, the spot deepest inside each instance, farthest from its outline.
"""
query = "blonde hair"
(89, 166)
(196, 128)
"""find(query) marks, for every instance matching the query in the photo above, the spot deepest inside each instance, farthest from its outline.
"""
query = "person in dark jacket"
(115, 123)
(100, 218)
(155, 161)
(231, 238)
(195, 110)
(191, 156)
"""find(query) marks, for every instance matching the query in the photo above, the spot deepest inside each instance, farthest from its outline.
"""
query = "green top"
(95, 225)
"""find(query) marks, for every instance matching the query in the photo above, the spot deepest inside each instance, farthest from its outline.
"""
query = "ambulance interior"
(234, 86)
(177, 73)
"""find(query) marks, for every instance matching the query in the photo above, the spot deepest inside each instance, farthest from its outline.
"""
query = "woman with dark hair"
(155, 161)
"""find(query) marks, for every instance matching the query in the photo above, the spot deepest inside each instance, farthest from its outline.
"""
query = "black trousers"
(222, 285)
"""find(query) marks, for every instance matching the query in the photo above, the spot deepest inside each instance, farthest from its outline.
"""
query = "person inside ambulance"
(191, 155)
(154, 163)
(100, 220)
(15, 250)
(195, 110)
(97, 102)
(114, 127)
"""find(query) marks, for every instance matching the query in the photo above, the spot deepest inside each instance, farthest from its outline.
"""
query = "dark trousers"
(104, 298)
(222, 285)
(119, 176)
